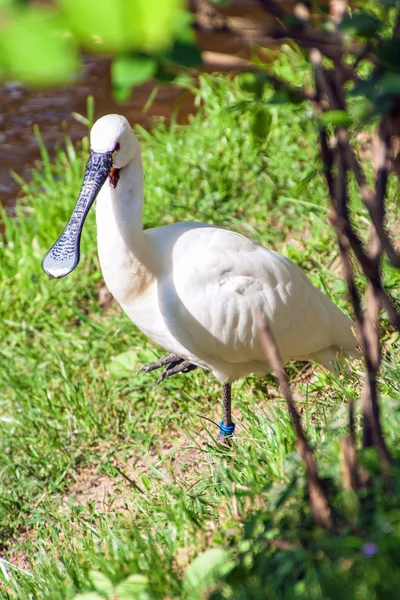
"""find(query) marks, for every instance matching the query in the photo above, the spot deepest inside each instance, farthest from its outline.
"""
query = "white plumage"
(196, 290)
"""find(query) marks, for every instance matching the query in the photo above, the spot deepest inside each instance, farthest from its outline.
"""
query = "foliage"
(351, 76)
(71, 423)
(41, 45)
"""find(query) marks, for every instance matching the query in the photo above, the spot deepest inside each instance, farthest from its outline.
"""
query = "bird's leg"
(226, 427)
(170, 359)
(183, 366)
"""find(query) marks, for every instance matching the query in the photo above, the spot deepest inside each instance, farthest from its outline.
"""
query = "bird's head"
(112, 147)
(113, 134)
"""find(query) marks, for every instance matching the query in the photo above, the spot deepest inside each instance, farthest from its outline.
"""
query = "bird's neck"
(124, 255)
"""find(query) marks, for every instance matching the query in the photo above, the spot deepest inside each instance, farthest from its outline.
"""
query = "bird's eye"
(117, 147)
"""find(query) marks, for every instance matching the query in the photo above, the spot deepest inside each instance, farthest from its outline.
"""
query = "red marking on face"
(114, 176)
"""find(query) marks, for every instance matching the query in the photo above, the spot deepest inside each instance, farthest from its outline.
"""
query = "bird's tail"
(334, 358)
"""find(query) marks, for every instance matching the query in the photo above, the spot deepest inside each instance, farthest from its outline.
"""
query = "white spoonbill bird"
(194, 289)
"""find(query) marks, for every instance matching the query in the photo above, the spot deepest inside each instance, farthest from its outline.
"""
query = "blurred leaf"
(135, 587)
(128, 71)
(261, 124)
(285, 96)
(124, 364)
(294, 21)
(37, 49)
(252, 83)
(388, 53)
(101, 583)
(363, 24)
(204, 570)
(184, 30)
(163, 72)
(121, 25)
(369, 459)
(365, 87)
(389, 3)
(389, 84)
(98, 24)
(185, 54)
(128, 362)
(335, 118)
(153, 22)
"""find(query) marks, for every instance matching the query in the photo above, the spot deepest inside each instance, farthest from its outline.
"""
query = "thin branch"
(327, 85)
(318, 499)
(348, 444)
(368, 324)
(375, 201)
(273, 8)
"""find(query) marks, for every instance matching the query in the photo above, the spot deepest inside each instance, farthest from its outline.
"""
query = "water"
(51, 111)
(21, 108)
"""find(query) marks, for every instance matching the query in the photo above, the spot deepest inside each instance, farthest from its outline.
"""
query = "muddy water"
(21, 108)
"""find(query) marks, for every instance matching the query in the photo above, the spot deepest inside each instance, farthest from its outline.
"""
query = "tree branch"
(318, 499)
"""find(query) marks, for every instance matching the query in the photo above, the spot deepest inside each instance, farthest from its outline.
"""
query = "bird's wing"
(219, 281)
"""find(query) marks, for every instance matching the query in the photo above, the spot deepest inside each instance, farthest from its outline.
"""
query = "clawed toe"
(184, 366)
(175, 364)
(161, 362)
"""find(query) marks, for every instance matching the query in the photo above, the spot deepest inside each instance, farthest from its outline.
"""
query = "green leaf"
(185, 54)
(184, 27)
(204, 571)
(127, 363)
(388, 53)
(36, 48)
(124, 364)
(363, 24)
(389, 84)
(164, 73)
(294, 21)
(97, 24)
(335, 118)
(122, 25)
(128, 71)
(279, 97)
(253, 83)
(389, 3)
(261, 124)
(101, 583)
(153, 23)
(285, 96)
(135, 587)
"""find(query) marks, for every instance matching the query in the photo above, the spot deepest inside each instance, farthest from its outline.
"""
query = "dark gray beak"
(63, 256)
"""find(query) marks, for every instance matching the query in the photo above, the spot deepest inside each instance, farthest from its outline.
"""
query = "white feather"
(197, 290)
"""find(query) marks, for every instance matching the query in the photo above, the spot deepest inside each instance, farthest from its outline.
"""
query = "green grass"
(75, 420)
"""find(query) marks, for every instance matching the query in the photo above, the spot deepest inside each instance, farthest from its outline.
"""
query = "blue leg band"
(226, 429)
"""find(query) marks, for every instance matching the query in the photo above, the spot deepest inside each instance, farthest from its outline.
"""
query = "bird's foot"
(175, 364)
(183, 366)
(166, 360)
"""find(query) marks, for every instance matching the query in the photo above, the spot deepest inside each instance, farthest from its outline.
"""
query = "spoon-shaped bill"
(63, 256)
